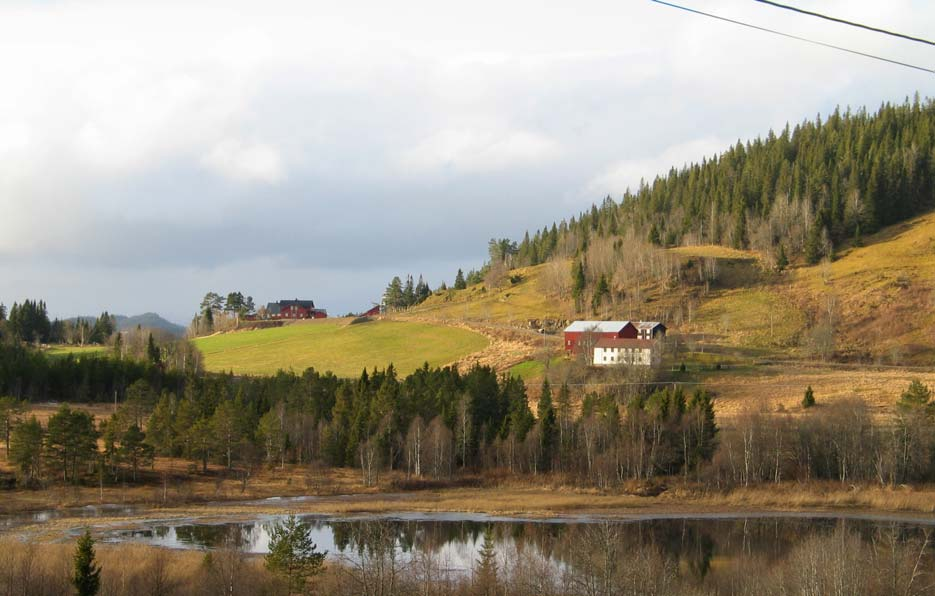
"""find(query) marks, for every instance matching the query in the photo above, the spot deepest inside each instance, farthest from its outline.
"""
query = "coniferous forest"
(808, 187)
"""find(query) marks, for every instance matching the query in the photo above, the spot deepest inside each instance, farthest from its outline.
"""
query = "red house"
(595, 331)
(294, 309)
(373, 312)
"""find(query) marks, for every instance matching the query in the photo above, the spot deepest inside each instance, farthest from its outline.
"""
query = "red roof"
(608, 342)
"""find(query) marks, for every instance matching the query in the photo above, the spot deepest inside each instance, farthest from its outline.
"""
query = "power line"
(796, 37)
(846, 22)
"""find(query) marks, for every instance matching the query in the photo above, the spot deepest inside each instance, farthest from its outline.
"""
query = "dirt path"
(508, 345)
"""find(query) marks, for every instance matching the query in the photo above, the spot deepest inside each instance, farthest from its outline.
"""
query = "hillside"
(149, 320)
(859, 326)
(879, 296)
(338, 346)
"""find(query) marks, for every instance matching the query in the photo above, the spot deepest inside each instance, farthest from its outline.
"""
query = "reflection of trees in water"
(690, 546)
(693, 543)
(234, 535)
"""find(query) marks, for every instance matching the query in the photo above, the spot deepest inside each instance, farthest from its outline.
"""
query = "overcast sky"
(152, 152)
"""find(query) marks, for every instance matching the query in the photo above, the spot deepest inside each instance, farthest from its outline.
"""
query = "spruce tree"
(601, 292)
(460, 284)
(293, 555)
(547, 426)
(152, 350)
(654, 236)
(87, 575)
(813, 244)
(578, 282)
(809, 399)
(782, 261)
(393, 296)
(409, 292)
(485, 577)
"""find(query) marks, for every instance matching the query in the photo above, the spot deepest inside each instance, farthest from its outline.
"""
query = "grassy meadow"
(336, 345)
(65, 350)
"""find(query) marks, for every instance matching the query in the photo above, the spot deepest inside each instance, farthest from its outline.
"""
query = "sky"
(153, 152)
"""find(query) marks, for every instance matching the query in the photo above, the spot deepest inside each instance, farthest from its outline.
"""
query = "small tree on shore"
(809, 399)
(87, 575)
(293, 555)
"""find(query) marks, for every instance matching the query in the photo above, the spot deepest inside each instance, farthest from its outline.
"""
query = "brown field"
(779, 388)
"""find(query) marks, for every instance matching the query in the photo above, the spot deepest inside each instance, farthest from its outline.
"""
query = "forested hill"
(802, 190)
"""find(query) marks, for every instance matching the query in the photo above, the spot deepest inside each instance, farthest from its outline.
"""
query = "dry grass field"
(779, 388)
(513, 304)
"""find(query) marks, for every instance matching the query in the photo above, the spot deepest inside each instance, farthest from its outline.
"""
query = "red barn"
(294, 309)
(597, 330)
(373, 312)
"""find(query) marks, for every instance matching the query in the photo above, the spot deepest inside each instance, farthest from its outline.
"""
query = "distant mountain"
(149, 320)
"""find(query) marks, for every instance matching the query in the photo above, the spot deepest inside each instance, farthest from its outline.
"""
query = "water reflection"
(699, 546)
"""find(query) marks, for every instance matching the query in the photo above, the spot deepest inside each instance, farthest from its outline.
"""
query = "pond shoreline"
(53, 524)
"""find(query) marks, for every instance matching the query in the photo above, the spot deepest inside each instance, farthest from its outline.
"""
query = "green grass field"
(334, 345)
(58, 351)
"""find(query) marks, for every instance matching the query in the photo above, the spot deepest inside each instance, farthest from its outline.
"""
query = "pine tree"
(915, 396)
(809, 399)
(87, 574)
(460, 284)
(24, 450)
(858, 239)
(2, 312)
(134, 449)
(293, 555)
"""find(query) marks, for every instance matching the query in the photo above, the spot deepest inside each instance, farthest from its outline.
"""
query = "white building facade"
(632, 352)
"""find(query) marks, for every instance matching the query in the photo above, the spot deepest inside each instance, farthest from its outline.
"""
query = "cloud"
(627, 174)
(324, 146)
(245, 162)
(466, 150)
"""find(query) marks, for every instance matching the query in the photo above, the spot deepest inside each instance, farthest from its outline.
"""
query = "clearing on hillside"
(335, 345)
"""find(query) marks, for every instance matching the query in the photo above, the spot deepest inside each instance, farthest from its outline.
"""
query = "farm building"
(375, 311)
(591, 331)
(650, 330)
(294, 309)
(612, 351)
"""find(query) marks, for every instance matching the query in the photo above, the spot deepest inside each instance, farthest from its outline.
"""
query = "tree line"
(401, 295)
(219, 313)
(434, 423)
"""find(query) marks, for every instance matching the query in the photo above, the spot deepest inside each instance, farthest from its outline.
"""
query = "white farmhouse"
(639, 352)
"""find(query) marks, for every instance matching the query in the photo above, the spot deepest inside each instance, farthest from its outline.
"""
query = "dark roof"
(273, 308)
(608, 342)
(302, 303)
